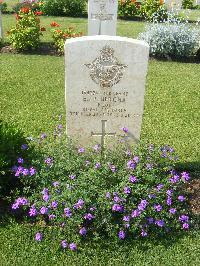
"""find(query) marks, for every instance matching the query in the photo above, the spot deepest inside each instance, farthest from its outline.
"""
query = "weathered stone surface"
(1, 26)
(102, 17)
(105, 86)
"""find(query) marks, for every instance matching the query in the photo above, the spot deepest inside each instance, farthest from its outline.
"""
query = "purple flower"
(20, 160)
(97, 165)
(49, 161)
(38, 237)
(43, 136)
(127, 226)
(81, 150)
(88, 216)
(149, 166)
(79, 204)
(172, 211)
(32, 211)
(116, 199)
(133, 179)
(131, 165)
(32, 171)
(126, 218)
(169, 192)
(185, 176)
(97, 147)
(108, 195)
(159, 187)
(128, 153)
(117, 208)
(63, 244)
(15, 206)
(24, 147)
(143, 233)
(127, 190)
(73, 246)
(25, 172)
(112, 168)
(56, 184)
(52, 216)
(158, 208)
(136, 159)
(151, 196)
(60, 127)
(160, 223)
(83, 231)
(185, 226)
(125, 129)
(169, 201)
(174, 179)
(45, 197)
(72, 177)
(135, 213)
(150, 220)
(43, 210)
(184, 218)
(181, 198)
(67, 212)
(142, 205)
(121, 234)
(54, 204)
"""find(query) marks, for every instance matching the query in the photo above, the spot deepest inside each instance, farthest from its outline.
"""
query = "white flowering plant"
(172, 39)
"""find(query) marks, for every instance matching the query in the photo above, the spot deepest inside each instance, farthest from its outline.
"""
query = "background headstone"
(102, 17)
(173, 5)
(105, 86)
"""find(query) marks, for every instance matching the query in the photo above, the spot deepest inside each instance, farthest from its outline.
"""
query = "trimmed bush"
(73, 8)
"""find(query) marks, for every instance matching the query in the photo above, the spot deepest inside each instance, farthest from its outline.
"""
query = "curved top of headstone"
(106, 38)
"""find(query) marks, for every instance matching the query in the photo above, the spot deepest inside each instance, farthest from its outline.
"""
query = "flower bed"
(80, 194)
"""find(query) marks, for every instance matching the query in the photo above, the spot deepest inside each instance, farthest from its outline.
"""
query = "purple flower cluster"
(72, 246)
(67, 212)
(19, 202)
(79, 204)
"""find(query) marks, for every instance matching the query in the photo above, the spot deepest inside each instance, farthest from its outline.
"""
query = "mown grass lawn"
(32, 91)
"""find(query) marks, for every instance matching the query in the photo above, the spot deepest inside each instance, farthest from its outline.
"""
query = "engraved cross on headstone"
(103, 135)
(102, 16)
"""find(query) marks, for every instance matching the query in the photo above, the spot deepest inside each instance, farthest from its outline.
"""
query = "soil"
(193, 188)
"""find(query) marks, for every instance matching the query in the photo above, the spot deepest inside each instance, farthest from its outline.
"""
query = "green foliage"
(150, 7)
(11, 140)
(60, 36)
(128, 8)
(187, 4)
(4, 7)
(73, 8)
(26, 34)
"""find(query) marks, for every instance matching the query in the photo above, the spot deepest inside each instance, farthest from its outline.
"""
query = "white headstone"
(102, 17)
(105, 86)
(173, 5)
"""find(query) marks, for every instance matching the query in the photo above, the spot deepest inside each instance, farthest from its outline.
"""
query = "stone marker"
(102, 17)
(173, 5)
(105, 86)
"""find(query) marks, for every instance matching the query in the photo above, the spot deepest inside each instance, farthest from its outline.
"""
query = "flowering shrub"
(150, 7)
(80, 194)
(35, 6)
(26, 34)
(60, 36)
(128, 8)
(171, 39)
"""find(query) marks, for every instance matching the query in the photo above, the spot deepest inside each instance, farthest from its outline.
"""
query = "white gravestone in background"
(102, 17)
(105, 86)
(173, 5)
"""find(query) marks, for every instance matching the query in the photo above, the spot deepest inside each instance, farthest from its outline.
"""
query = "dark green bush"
(11, 141)
(73, 8)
